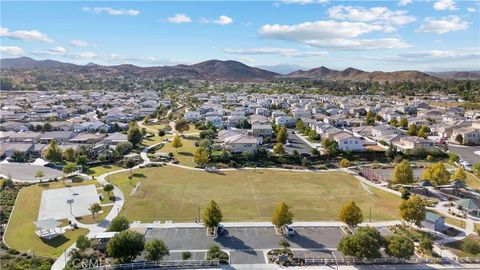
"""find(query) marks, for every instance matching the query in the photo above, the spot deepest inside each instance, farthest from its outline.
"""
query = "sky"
(429, 35)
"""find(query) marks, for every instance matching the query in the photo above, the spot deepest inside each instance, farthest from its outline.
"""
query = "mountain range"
(229, 71)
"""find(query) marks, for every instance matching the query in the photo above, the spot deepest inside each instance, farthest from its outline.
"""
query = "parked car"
(288, 231)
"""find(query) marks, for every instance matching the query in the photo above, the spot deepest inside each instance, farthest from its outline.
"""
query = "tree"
(351, 214)
(282, 215)
(399, 246)
(69, 154)
(83, 242)
(370, 118)
(53, 152)
(413, 210)
(18, 156)
(212, 216)
(186, 255)
(403, 123)
(134, 134)
(364, 244)
(460, 175)
(82, 161)
(94, 209)
(161, 133)
(453, 157)
(282, 136)
(278, 149)
(108, 188)
(423, 132)
(119, 224)
(405, 193)
(126, 245)
(69, 168)
(426, 244)
(146, 119)
(129, 163)
(201, 157)
(124, 147)
(176, 143)
(437, 173)
(299, 125)
(459, 138)
(330, 146)
(156, 249)
(403, 173)
(39, 174)
(394, 123)
(412, 130)
(182, 126)
(344, 163)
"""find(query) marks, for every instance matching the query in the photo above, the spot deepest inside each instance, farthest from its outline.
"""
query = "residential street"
(466, 152)
(296, 143)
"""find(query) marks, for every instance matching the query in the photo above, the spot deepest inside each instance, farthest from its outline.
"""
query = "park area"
(171, 193)
(35, 202)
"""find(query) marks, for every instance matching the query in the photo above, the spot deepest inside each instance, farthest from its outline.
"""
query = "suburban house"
(348, 142)
(383, 130)
(471, 136)
(192, 116)
(238, 142)
(410, 143)
(216, 121)
(262, 130)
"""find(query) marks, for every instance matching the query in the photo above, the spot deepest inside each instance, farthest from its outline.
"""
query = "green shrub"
(471, 246)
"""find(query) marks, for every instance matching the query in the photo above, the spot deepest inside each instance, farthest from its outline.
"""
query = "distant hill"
(223, 70)
(282, 68)
(208, 70)
(27, 62)
(360, 75)
(459, 75)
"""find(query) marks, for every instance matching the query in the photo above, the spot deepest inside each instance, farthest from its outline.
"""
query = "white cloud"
(443, 25)
(111, 11)
(85, 55)
(445, 5)
(288, 52)
(179, 18)
(24, 35)
(404, 2)
(58, 50)
(471, 9)
(332, 34)
(11, 50)
(223, 20)
(305, 2)
(78, 43)
(463, 54)
(380, 15)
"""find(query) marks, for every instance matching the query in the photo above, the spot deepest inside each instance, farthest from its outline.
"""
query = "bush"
(215, 253)
(186, 255)
(471, 246)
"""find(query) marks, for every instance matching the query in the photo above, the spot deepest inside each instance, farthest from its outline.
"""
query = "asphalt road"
(26, 172)
(466, 152)
(247, 244)
(296, 144)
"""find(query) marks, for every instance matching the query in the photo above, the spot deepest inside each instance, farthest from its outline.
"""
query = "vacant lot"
(171, 193)
(20, 234)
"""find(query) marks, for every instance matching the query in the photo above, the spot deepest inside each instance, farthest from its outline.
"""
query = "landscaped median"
(171, 193)
(20, 233)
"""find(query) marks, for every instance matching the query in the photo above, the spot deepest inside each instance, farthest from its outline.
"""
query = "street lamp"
(336, 262)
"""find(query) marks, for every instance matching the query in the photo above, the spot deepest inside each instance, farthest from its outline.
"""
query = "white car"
(288, 231)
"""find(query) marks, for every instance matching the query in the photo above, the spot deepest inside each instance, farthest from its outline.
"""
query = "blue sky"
(433, 35)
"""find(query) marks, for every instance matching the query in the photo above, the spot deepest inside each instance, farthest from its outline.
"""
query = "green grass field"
(171, 193)
(185, 153)
(99, 170)
(21, 235)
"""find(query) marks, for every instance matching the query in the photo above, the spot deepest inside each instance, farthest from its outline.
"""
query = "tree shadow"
(304, 242)
(216, 172)
(232, 242)
(186, 154)
(139, 175)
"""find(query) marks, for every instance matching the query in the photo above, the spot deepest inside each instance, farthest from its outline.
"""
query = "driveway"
(296, 143)
(246, 244)
(466, 152)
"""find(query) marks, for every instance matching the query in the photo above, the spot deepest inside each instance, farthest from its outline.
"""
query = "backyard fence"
(160, 264)
(351, 261)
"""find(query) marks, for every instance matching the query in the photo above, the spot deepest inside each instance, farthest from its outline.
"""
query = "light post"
(336, 262)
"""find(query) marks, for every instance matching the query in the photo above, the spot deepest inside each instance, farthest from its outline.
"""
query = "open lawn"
(98, 217)
(20, 234)
(171, 193)
(99, 170)
(185, 153)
